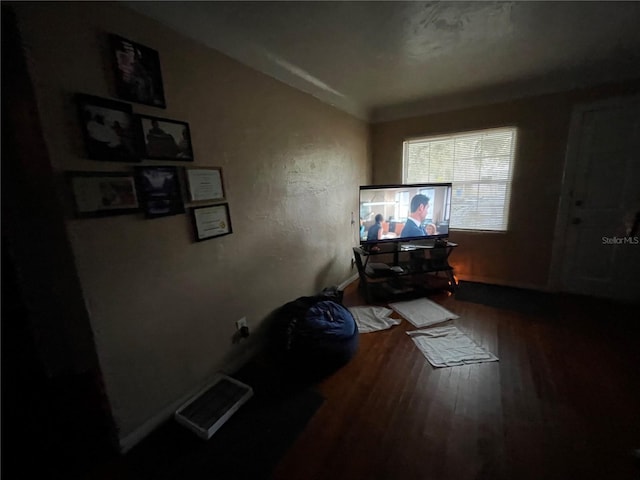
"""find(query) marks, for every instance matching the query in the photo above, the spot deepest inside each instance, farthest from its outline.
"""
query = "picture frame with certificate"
(211, 221)
(101, 194)
(205, 184)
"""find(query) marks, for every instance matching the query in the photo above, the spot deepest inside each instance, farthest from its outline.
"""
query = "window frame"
(508, 182)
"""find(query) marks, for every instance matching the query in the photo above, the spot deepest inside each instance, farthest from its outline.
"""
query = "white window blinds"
(480, 166)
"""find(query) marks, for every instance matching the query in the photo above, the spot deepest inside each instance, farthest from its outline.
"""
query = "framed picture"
(108, 128)
(212, 221)
(204, 184)
(99, 194)
(164, 139)
(137, 71)
(159, 191)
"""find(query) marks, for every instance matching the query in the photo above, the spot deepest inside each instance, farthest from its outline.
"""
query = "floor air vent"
(212, 407)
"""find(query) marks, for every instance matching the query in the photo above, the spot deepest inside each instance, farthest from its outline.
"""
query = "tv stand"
(404, 269)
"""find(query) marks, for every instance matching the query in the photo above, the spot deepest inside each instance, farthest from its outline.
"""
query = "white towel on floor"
(448, 347)
(422, 312)
(372, 319)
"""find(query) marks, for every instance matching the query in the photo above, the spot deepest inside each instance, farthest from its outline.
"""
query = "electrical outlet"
(242, 328)
(241, 323)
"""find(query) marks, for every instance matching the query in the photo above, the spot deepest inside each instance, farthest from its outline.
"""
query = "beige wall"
(522, 255)
(162, 308)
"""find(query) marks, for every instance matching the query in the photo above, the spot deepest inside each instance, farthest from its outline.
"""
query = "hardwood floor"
(563, 401)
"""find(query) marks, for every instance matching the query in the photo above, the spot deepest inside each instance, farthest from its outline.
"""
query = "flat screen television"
(404, 213)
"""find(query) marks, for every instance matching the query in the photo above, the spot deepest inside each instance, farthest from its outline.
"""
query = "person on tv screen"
(375, 230)
(419, 211)
(431, 229)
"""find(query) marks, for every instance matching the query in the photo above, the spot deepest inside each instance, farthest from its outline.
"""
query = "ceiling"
(387, 60)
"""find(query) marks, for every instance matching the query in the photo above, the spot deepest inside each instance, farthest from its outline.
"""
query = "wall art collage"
(113, 132)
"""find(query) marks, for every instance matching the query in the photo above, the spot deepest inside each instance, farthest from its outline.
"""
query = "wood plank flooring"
(563, 401)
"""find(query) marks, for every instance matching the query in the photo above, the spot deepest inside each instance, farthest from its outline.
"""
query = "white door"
(595, 253)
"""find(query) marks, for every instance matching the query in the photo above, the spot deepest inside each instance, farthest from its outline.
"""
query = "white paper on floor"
(423, 312)
(448, 347)
(372, 319)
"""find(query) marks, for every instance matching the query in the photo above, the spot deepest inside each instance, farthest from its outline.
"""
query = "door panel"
(603, 174)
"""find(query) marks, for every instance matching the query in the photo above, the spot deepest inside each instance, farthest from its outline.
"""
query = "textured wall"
(162, 307)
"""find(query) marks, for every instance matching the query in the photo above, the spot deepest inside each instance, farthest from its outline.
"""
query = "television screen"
(392, 213)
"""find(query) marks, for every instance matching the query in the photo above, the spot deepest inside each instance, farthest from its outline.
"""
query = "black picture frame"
(211, 221)
(164, 139)
(102, 194)
(138, 77)
(159, 191)
(109, 129)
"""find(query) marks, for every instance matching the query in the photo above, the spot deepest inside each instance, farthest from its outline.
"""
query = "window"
(402, 205)
(479, 165)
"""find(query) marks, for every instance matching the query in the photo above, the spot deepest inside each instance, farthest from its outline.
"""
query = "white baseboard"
(503, 283)
(348, 282)
(131, 440)
(473, 278)
(229, 365)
